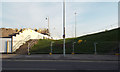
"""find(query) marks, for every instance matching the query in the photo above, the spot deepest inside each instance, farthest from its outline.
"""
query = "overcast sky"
(91, 16)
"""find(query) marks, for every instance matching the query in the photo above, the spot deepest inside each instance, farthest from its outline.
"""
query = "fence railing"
(84, 47)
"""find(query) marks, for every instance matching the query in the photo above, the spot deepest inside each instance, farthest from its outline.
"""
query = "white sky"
(91, 16)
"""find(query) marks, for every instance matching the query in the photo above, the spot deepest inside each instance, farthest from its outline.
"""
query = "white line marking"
(26, 69)
(61, 60)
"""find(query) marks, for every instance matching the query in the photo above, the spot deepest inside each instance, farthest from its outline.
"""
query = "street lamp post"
(75, 24)
(64, 27)
(48, 25)
(75, 33)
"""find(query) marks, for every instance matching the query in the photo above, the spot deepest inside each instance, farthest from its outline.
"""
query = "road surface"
(58, 65)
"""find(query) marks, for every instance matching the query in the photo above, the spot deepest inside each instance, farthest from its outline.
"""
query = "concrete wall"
(19, 39)
(5, 46)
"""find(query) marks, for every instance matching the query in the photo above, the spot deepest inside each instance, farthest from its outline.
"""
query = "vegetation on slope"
(107, 43)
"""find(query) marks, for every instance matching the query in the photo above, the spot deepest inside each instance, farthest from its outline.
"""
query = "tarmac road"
(58, 65)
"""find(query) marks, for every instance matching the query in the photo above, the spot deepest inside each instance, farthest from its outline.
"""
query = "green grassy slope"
(107, 44)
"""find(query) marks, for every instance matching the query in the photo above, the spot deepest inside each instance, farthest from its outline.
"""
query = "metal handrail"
(31, 44)
(17, 45)
(20, 42)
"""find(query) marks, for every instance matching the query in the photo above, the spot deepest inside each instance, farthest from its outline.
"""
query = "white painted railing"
(20, 42)
(26, 35)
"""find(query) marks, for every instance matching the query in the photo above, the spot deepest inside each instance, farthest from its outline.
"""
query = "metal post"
(28, 49)
(95, 47)
(119, 48)
(64, 27)
(73, 47)
(48, 25)
(75, 24)
(51, 46)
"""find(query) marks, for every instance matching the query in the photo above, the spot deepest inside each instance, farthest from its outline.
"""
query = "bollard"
(73, 53)
(50, 53)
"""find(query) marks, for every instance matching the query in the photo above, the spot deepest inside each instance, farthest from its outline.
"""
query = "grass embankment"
(107, 43)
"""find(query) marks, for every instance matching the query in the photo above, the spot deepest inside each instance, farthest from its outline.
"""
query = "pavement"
(84, 57)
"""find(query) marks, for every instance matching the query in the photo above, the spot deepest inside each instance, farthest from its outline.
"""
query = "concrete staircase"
(20, 39)
(24, 48)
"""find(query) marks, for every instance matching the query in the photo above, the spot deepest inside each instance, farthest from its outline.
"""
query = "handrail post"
(28, 49)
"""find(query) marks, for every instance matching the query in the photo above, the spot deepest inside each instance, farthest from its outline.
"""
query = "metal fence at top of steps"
(84, 47)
